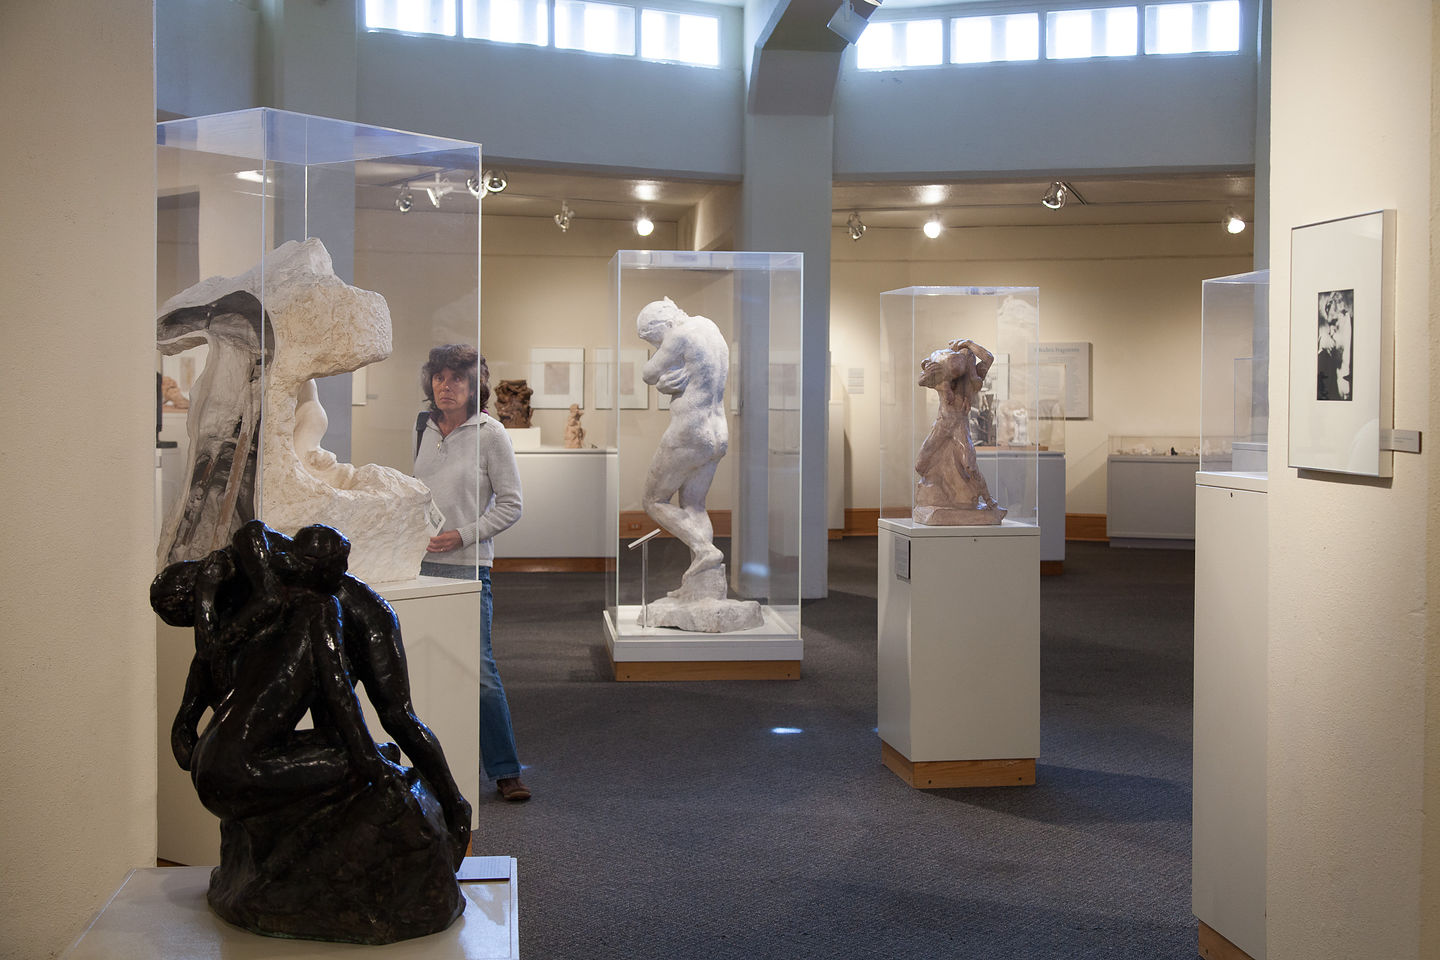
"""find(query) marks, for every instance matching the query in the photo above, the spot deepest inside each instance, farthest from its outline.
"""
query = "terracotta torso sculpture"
(950, 490)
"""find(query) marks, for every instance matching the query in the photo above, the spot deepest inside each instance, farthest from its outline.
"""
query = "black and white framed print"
(1341, 352)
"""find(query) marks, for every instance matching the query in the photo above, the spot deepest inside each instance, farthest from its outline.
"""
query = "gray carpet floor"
(669, 821)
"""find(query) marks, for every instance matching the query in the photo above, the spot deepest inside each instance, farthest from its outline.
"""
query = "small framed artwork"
(1341, 344)
(557, 375)
(634, 394)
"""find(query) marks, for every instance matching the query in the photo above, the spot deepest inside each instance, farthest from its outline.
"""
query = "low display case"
(704, 412)
(1150, 490)
(1006, 421)
(1235, 373)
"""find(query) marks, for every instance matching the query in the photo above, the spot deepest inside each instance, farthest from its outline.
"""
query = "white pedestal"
(1150, 501)
(771, 651)
(160, 913)
(564, 512)
(959, 653)
(440, 626)
(1228, 821)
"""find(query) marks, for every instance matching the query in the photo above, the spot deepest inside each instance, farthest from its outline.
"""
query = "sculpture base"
(958, 516)
(372, 867)
(704, 616)
(700, 606)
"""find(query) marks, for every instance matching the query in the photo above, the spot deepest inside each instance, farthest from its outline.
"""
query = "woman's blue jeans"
(498, 755)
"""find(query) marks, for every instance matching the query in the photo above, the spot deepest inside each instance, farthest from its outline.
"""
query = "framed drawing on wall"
(634, 394)
(557, 375)
(1341, 344)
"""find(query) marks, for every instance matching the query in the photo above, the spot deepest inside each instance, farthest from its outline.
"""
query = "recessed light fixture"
(933, 227)
(1233, 223)
(644, 226)
(647, 191)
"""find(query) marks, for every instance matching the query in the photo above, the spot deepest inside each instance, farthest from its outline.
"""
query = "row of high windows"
(590, 25)
(1206, 26)
(624, 29)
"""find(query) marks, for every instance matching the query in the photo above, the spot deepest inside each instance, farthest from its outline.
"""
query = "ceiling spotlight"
(494, 180)
(933, 227)
(644, 226)
(405, 201)
(437, 189)
(562, 219)
(1233, 223)
(856, 226)
(476, 190)
(1056, 196)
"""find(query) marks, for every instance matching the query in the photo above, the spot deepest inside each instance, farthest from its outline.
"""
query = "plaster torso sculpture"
(324, 835)
(951, 491)
(690, 365)
(512, 404)
(574, 433)
(315, 325)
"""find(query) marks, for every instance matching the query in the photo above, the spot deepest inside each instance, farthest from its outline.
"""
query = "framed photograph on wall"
(1341, 343)
(634, 394)
(557, 375)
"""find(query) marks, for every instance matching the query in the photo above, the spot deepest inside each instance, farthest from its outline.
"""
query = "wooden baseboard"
(835, 533)
(1086, 526)
(943, 774)
(1215, 947)
(550, 564)
(862, 521)
(636, 523)
(1052, 568)
(686, 670)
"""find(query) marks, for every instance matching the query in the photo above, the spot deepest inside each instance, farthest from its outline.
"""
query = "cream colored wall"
(1349, 658)
(77, 277)
(1133, 292)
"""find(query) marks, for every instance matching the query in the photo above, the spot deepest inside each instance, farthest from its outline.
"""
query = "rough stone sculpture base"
(347, 870)
(959, 516)
(700, 606)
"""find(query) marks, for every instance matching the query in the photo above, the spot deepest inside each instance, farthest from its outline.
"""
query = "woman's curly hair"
(460, 358)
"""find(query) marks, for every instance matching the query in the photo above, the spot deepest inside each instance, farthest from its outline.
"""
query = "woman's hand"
(444, 542)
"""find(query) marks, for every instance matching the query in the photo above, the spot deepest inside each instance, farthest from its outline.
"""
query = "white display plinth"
(1150, 501)
(160, 913)
(440, 627)
(959, 652)
(1228, 820)
(564, 505)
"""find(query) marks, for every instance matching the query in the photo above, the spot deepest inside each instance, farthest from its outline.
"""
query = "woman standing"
(457, 439)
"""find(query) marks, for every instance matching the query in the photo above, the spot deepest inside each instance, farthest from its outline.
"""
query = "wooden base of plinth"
(1215, 947)
(943, 774)
(681, 670)
(1052, 568)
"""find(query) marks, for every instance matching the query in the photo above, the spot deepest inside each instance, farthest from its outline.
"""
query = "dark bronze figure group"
(324, 834)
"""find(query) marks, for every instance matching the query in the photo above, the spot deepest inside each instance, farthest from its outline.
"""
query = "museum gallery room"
(813, 478)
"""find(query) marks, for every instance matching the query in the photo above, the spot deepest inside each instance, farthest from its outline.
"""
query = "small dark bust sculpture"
(324, 835)
(512, 403)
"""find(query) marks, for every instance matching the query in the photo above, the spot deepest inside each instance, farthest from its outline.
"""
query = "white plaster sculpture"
(690, 364)
(315, 325)
(951, 491)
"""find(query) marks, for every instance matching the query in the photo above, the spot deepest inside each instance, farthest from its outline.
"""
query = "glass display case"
(306, 268)
(717, 457)
(1234, 373)
(1154, 445)
(1007, 420)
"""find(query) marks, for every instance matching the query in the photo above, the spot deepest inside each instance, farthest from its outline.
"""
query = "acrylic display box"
(1235, 373)
(1005, 423)
(305, 269)
(753, 502)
